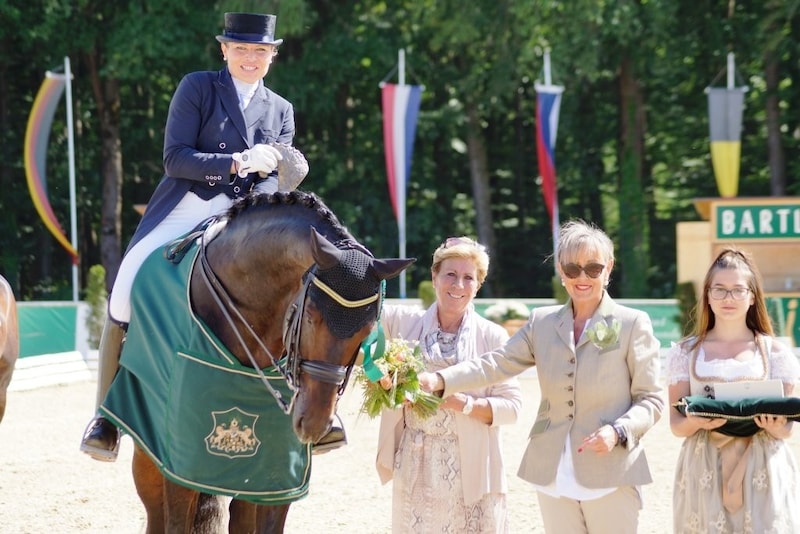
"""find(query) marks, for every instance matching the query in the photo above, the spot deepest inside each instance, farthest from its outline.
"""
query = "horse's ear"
(325, 253)
(389, 268)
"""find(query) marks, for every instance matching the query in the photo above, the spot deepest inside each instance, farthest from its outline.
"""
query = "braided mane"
(309, 201)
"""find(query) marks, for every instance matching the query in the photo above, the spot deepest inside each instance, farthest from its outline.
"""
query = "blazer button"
(570, 388)
(570, 403)
(570, 374)
(572, 360)
(570, 416)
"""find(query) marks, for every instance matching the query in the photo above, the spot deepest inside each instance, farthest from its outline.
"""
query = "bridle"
(293, 363)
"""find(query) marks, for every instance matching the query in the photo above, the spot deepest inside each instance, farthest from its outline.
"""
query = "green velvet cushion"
(739, 413)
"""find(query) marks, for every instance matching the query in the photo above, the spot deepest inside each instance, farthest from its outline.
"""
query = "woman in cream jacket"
(448, 469)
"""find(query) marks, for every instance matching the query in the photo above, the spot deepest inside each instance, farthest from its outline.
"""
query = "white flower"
(502, 311)
(605, 333)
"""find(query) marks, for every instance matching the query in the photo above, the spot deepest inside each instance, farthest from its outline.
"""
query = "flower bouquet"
(400, 364)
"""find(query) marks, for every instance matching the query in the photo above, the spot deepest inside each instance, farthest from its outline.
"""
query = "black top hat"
(249, 28)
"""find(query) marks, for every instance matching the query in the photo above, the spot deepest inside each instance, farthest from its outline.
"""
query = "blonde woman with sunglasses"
(447, 470)
(598, 369)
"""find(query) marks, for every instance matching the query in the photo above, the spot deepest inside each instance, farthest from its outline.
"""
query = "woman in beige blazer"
(447, 470)
(598, 369)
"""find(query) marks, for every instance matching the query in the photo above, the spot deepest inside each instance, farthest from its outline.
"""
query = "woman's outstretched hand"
(430, 382)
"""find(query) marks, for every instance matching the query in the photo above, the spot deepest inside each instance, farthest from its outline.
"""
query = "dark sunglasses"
(573, 270)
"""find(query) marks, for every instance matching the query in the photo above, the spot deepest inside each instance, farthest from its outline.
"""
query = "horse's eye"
(311, 311)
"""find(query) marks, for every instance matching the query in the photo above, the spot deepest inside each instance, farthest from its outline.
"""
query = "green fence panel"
(663, 312)
(46, 328)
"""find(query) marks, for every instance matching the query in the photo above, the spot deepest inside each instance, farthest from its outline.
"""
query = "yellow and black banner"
(725, 107)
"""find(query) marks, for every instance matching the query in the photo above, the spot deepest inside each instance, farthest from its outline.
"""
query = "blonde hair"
(464, 248)
(578, 235)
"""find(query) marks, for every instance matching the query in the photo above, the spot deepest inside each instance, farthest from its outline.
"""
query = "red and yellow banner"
(37, 136)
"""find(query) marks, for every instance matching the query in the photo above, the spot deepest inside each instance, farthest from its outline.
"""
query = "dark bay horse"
(278, 284)
(9, 340)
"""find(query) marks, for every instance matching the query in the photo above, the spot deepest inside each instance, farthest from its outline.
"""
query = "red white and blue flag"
(400, 104)
(548, 103)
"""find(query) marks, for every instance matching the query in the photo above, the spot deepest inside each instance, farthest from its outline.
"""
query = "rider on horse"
(232, 147)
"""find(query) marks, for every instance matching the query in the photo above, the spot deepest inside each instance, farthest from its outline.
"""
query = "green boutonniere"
(605, 334)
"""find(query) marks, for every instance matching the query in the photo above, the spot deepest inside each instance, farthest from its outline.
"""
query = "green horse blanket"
(207, 421)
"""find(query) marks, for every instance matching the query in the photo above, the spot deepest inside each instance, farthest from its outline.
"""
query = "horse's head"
(333, 315)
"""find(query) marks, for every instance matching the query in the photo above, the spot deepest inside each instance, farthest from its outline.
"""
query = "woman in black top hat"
(216, 148)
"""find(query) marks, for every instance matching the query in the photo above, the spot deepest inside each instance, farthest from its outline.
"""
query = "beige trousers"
(615, 513)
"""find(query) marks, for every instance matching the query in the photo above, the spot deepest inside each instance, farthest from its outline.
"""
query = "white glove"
(261, 158)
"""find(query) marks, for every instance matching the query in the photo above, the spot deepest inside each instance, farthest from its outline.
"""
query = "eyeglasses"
(455, 241)
(573, 270)
(720, 293)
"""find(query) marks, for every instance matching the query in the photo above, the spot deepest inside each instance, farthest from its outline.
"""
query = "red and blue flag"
(548, 103)
(400, 104)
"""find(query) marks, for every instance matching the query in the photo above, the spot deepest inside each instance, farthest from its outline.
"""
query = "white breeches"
(189, 212)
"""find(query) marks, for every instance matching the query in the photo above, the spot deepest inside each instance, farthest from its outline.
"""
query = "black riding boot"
(335, 438)
(101, 438)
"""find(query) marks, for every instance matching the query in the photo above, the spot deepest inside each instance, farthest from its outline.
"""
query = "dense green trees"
(632, 147)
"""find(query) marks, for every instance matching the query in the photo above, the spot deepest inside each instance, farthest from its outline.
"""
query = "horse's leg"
(180, 507)
(210, 517)
(271, 519)
(150, 486)
(247, 517)
(243, 517)
(6, 369)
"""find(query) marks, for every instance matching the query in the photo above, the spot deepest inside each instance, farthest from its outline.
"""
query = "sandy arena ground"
(49, 486)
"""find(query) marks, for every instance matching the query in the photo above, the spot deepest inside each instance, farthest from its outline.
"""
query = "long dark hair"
(757, 318)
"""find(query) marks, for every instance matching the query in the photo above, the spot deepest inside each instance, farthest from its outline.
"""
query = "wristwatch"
(470, 403)
(622, 436)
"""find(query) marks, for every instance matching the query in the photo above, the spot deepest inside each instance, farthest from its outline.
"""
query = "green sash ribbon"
(378, 338)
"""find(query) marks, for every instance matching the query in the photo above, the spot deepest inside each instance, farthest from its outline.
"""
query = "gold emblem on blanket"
(233, 434)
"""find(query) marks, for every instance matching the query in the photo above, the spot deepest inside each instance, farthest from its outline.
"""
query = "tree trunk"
(776, 156)
(481, 192)
(633, 250)
(107, 99)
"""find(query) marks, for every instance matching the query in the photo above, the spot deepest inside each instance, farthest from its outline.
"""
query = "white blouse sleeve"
(677, 364)
(783, 363)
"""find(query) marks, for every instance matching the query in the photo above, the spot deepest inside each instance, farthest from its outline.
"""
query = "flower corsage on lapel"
(605, 334)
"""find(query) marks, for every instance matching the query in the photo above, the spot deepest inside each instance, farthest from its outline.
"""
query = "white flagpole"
(731, 71)
(73, 218)
(401, 195)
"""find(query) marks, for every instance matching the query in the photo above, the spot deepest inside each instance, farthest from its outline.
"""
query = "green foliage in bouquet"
(401, 364)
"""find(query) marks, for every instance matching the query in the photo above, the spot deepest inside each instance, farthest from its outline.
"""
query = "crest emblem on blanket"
(233, 435)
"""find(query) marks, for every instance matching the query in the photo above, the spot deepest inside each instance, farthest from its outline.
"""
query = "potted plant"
(509, 313)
